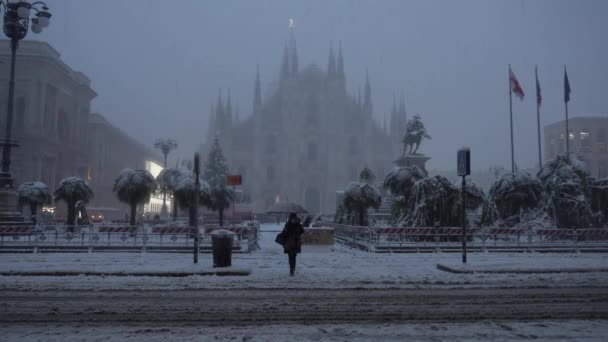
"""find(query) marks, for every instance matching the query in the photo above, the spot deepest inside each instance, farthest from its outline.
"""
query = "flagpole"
(540, 158)
(567, 128)
(511, 120)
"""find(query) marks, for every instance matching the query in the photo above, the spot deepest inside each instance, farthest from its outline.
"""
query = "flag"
(566, 87)
(515, 86)
(539, 97)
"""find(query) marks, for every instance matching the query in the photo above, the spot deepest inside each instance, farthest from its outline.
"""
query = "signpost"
(234, 180)
(197, 195)
(464, 169)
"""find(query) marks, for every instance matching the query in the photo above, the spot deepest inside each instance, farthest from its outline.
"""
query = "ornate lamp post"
(17, 17)
(165, 146)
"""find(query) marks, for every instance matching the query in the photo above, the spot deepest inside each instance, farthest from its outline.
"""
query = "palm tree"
(185, 195)
(72, 190)
(165, 146)
(359, 197)
(219, 198)
(134, 187)
(168, 179)
(34, 194)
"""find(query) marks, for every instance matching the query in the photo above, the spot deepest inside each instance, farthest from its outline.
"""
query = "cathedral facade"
(308, 138)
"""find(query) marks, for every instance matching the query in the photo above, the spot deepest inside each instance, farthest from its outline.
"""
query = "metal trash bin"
(221, 243)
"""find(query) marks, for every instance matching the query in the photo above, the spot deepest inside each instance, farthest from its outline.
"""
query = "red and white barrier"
(16, 230)
(117, 229)
(172, 230)
(506, 231)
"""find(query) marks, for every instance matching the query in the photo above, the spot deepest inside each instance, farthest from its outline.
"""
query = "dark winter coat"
(291, 234)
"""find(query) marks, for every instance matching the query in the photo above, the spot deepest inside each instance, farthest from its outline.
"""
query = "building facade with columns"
(51, 114)
(58, 135)
(588, 142)
(308, 138)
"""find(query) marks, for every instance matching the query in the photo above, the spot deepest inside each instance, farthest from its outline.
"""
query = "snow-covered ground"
(436, 331)
(318, 267)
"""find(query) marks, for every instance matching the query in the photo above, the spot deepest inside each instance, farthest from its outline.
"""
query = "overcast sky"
(157, 65)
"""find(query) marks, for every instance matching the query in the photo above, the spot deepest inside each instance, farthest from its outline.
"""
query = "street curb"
(458, 270)
(219, 273)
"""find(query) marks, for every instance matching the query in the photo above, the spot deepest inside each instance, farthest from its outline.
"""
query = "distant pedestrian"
(291, 240)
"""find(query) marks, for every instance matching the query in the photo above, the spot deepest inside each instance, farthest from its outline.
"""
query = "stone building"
(308, 138)
(110, 151)
(588, 142)
(51, 114)
(57, 134)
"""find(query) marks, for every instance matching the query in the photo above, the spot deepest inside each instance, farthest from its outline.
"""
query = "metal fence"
(449, 239)
(117, 238)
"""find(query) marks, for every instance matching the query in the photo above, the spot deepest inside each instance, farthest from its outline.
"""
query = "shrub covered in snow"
(358, 198)
(400, 182)
(599, 202)
(433, 201)
(34, 194)
(367, 176)
(134, 187)
(511, 196)
(72, 190)
(567, 193)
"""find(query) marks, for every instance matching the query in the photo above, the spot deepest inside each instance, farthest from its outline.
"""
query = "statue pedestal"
(418, 160)
(8, 208)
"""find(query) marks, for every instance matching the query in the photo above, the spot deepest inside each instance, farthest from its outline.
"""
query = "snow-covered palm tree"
(359, 197)
(134, 187)
(169, 179)
(34, 194)
(401, 180)
(72, 190)
(185, 194)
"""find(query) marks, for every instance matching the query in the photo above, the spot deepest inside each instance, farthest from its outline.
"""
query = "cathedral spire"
(212, 125)
(257, 91)
(367, 95)
(219, 112)
(331, 64)
(285, 63)
(294, 55)
(229, 109)
(340, 63)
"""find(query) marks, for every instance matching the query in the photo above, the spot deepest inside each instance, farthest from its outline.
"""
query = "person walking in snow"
(291, 238)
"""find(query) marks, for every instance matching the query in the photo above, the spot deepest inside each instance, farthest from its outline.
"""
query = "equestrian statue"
(414, 134)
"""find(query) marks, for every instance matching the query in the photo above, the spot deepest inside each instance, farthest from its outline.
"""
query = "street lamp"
(17, 16)
(165, 146)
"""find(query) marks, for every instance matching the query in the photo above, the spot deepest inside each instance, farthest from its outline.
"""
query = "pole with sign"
(197, 195)
(464, 169)
(234, 180)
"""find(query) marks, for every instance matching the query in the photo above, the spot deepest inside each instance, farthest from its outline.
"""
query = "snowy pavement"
(338, 294)
(545, 330)
(318, 267)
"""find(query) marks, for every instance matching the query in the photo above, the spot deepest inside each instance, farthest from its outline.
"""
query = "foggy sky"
(157, 66)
